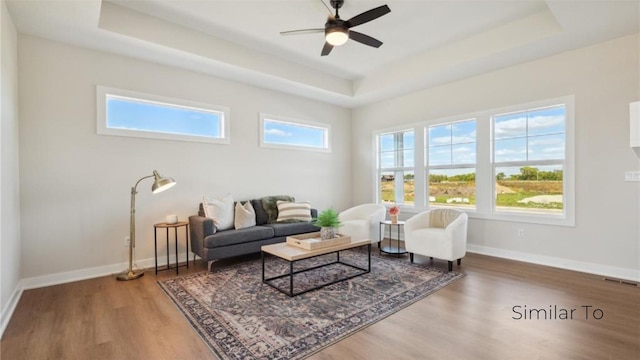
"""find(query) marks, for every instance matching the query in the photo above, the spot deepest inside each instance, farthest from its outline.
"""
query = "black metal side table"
(390, 249)
(175, 227)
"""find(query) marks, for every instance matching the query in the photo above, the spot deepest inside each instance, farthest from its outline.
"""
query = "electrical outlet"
(127, 241)
(521, 233)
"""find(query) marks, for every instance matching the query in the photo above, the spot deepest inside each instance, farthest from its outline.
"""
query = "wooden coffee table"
(291, 254)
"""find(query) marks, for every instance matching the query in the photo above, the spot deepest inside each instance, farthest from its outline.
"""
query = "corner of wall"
(10, 251)
(8, 310)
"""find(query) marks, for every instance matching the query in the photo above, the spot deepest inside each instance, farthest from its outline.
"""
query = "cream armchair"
(362, 222)
(439, 233)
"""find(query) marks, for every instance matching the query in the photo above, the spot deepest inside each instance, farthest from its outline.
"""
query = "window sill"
(519, 217)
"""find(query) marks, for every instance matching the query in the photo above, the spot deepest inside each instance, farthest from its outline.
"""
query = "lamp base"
(129, 275)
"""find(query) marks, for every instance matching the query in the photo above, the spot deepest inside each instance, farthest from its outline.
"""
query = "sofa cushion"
(245, 216)
(270, 205)
(220, 210)
(286, 229)
(293, 212)
(261, 215)
(232, 237)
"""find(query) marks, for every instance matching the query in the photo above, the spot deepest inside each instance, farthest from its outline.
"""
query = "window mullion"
(420, 183)
(484, 170)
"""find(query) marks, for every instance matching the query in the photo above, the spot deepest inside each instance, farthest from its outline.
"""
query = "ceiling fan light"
(337, 36)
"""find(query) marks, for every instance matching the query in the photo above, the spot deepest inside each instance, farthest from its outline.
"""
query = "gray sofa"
(211, 244)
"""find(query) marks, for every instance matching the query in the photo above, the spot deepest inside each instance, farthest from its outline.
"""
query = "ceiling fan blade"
(364, 39)
(302, 31)
(367, 16)
(326, 49)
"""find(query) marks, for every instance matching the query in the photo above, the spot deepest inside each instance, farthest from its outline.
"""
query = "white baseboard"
(8, 310)
(71, 276)
(591, 268)
(94, 272)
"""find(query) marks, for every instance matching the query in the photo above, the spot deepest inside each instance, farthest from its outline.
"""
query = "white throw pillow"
(292, 211)
(245, 216)
(220, 210)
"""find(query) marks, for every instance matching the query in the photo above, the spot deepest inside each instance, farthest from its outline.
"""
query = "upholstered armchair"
(362, 221)
(437, 233)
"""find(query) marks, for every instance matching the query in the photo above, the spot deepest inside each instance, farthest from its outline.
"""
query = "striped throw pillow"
(293, 211)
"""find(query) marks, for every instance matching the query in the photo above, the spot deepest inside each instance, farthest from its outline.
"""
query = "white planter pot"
(327, 233)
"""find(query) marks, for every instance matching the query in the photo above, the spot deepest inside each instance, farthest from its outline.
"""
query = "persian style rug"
(239, 317)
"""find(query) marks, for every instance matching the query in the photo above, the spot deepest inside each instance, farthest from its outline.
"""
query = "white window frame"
(102, 92)
(485, 180)
(567, 217)
(399, 185)
(326, 128)
(428, 167)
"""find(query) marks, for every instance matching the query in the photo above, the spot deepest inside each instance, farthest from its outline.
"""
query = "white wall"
(604, 79)
(9, 180)
(75, 185)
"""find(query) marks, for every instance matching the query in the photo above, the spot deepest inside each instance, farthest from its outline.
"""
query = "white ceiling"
(426, 43)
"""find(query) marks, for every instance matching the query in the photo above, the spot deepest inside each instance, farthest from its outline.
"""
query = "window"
(528, 160)
(451, 163)
(510, 164)
(279, 132)
(128, 113)
(396, 176)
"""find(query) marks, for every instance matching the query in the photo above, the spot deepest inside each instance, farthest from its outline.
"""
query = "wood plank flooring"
(470, 319)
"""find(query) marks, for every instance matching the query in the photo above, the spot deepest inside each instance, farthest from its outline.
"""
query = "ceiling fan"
(338, 31)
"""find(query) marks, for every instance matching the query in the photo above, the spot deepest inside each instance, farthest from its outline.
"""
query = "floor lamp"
(160, 184)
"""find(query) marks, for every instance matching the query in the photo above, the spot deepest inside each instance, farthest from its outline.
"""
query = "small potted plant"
(393, 212)
(328, 222)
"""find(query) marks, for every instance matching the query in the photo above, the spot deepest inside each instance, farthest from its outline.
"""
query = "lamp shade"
(160, 183)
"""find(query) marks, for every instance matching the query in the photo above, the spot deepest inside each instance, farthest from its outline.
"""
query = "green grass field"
(509, 192)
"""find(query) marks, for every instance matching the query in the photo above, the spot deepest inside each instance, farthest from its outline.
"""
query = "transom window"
(128, 113)
(284, 133)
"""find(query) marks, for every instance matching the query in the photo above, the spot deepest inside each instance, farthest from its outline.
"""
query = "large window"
(279, 132)
(128, 113)
(451, 163)
(528, 159)
(396, 175)
(513, 164)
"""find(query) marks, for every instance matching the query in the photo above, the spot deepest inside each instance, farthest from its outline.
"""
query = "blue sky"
(452, 144)
(123, 113)
(537, 134)
(278, 132)
(533, 135)
(134, 114)
(390, 151)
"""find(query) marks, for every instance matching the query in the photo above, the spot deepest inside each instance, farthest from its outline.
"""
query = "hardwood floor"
(470, 319)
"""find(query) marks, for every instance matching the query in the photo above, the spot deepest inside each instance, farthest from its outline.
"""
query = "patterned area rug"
(239, 317)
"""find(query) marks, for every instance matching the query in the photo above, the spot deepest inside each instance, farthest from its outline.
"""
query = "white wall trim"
(94, 272)
(8, 310)
(591, 268)
(72, 276)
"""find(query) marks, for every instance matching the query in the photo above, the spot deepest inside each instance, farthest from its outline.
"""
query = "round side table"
(391, 249)
(175, 227)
